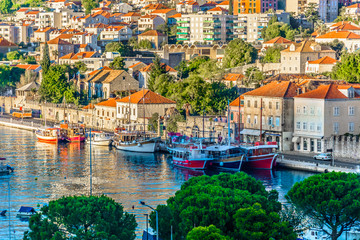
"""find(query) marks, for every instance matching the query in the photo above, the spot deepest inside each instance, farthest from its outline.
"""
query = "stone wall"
(345, 147)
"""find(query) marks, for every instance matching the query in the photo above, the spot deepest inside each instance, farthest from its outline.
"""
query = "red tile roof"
(340, 34)
(162, 11)
(346, 27)
(111, 102)
(149, 16)
(324, 60)
(22, 10)
(134, 65)
(152, 33)
(6, 43)
(177, 15)
(147, 97)
(90, 106)
(167, 68)
(278, 40)
(28, 66)
(235, 103)
(324, 92)
(45, 29)
(155, 6)
(233, 77)
(218, 9)
(284, 89)
(224, 3)
(132, 14)
(58, 41)
(67, 56)
(356, 5)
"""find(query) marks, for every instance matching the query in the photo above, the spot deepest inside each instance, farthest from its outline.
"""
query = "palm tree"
(187, 108)
(321, 28)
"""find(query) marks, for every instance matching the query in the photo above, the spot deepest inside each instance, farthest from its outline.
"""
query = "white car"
(323, 156)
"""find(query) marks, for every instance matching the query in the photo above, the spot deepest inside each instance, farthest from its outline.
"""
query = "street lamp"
(157, 218)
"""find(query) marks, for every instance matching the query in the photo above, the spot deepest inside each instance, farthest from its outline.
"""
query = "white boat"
(5, 168)
(99, 138)
(25, 212)
(136, 142)
(50, 135)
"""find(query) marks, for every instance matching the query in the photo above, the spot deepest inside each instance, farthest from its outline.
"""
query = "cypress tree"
(45, 62)
(231, 7)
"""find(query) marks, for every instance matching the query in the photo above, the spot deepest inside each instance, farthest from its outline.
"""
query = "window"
(336, 111)
(270, 121)
(270, 105)
(312, 111)
(304, 109)
(255, 104)
(351, 111)
(305, 144)
(298, 125)
(312, 127)
(298, 109)
(277, 105)
(304, 125)
(255, 119)
(277, 121)
(134, 112)
(318, 128)
(248, 103)
(248, 119)
(118, 109)
(336, 127)
(351, 126)
(318, 145)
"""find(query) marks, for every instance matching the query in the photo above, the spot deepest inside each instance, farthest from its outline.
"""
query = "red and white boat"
(74, 133)
(195, 157)
(50, 135)
(260, 155)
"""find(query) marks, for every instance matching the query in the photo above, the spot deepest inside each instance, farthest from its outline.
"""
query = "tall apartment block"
(254, 6)
(328, 9)
(205, 28)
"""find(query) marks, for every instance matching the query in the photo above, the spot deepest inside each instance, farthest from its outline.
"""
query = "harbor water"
(45, 172)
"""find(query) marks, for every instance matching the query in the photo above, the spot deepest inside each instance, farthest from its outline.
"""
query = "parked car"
(323, 156)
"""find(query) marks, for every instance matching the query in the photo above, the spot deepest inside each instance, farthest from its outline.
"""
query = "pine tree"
(156, 70)
(45, 62)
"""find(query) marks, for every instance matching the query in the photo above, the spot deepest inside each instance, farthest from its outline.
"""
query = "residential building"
(328, 9)
(164, 13)
(20, 14)
(105, 83)
(105, 114)
(96, 28)
(233, 79)
(255, 6)
(215, 52)
(351, 40)
(57, 48)
(43, 34)
(85, 57)
(152, 7)
(353, 11)
(269, 112)
(95, 10)
(277, 42)
(25, 31)
(7, 46)
(141, 106)
(324, 113)
(144, 74)
(224, 4)
(205, 28)
(322, 65)
(207, 6)
(32, 14)
(121, 8)
(248, 26)
(131, 17)
(218, 11)
(115, 33)
(9, 32)
(149, 22)
(134, 69)
(190, 6)
(156, 38)
(294, 58)
(345, 26)
(237, 112)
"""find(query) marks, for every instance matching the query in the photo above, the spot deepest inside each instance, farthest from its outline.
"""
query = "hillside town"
(280, 72)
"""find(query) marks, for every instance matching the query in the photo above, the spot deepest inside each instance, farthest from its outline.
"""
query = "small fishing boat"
(3, 213)
(227, 157)
(5, 168)
(25, 212)
(136, 142)
(50, 134)
(99, 138)
(195, 157)
(74, 133)
(260, 155)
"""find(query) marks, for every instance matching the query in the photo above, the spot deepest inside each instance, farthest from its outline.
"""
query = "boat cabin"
(26, 211)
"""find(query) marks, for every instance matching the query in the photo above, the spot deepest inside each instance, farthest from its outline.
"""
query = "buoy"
(64, 177)
(36, 178)
(221, 164)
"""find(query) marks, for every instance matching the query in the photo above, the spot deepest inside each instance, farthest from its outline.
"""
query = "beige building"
(351, 40)
(294, 58)
(164, 13)
(9, 32)
(155, 37)
(324, 113)
(271, 107)
(142, 105)
(88, 58)
(43, 34)
(191, 50)
(105, 114)
(149, 22)
(57, 48)
(322, 65)
(6, 46)
(328, 9)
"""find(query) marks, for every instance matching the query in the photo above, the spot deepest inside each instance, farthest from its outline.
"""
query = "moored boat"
(227, 157)
(5, 168)
(50, 135)
(195, 157)
(260, 155)
(74, 133)
(136, 142)
(26, 212)
(99, 138)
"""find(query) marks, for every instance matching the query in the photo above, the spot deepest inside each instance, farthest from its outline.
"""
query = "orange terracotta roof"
(218, 9)
(284, 89)
(356, 5)
(155, 6)
(235, 103)
(81, 55)
(347, 86)
(178, 15)
(340, 34)
(58, 41)
(147, 97)
(278, 40)
(6, 43)
(306, 46)
(132, 14)
(101, 8)
(233, 77)
(346, 27)
(98, 70)
(22, 10)
(324, 60)
(32, 12)
(28, 66)
(324, 92)
(111, 102)
(67, 56)
(162, 11)
(167, 68)
(114, 28)
(224, 3)
(152, 33)
(149, 16)
(45, 29)
(339, 23)
(90, 106)
(134, 65)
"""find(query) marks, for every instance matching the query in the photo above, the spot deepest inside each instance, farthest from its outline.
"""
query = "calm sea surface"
(126, 177)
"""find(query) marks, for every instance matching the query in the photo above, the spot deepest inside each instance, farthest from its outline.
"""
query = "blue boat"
(26, 212)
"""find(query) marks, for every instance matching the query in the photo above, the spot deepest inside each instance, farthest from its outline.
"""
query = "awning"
(273, 134)
(252, 132)
(295, 140)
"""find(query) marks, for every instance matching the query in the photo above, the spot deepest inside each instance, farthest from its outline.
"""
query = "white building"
(322, 65)
(115, 33)
(351, 40)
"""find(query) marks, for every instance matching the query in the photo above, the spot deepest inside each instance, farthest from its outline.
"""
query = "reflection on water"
(45, 171)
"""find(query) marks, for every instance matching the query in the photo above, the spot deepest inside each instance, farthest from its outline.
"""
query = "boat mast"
(239, 119)
(45, 113)
(129, 108)
(229, 134)
(144, 109)
(64, 101)
(261, 106)
(90, 165)
(9, 210)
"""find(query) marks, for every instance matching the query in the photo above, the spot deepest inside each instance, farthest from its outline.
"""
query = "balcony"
(182, 27)
(182, 39)
(182, 33)
(211, 21)
(183, 21)
(212, 39)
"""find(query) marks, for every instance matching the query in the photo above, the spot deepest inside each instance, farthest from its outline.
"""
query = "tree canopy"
(119, 47)
(14, 55)
(347, 69)
(332, 200)
(118, 63)
(238, 52)
(82, 217)
(312, 13)
(9, 76)
(45, 61)
(272, 55)
(89, 5)
(205, 201)
(5, 6)
(205, 233)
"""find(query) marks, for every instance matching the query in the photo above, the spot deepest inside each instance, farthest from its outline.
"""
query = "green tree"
(312, 13)
(82, 217)
(210, 70)
(254, 223)
(206, 200)
(238, 52)
(272, 55)
(9, 76)
(119, 47)
(163, 84)
(80, 67)
(153, 122)
(145, 44)
(14, 55)
(320, 27)
(347, 69)
(45, 62)
(89, 5)
(187, 67)
(231, 7)
(5, 6)
(157, 68)
(171, 127)
(254, 77)
(118, 63)
(30, 60)
(205, 233)
(337, 46)
(133, 42)
(332, 200)
(163, 28)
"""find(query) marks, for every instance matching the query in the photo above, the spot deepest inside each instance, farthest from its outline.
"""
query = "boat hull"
(261, 162)
(76, 139)
(232, 164)
(46, 138)
(190, 164)
(100, 142)
(145, 147)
